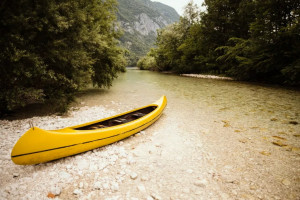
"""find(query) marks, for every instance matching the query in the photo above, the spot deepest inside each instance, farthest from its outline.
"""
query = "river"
(195, 102)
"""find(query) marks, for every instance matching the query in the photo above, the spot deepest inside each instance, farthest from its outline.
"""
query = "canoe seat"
(93, 127)
(101, 126)
(138, 115)
(116, 121)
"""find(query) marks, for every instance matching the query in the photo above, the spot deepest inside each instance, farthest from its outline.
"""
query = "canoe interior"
(122, 119)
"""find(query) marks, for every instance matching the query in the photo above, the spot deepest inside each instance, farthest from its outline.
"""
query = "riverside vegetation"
(247, 40)
(50, 49)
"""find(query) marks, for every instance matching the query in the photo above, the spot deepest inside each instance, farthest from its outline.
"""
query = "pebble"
(200, 183)
(81, 185)
(133, 175)
(144, 178)
(15, 175)
(83, 165)
(286, 182)
(105, 186)
(143, 132)
(64, 175)
(186, 190)
(77, 192)
(56, 190)
(97, 185)
(114, 187)
(155, 196)
(141, 188)
(149, 198)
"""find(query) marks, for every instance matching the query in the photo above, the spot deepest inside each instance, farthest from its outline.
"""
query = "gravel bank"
(207, 76)
(158, 163)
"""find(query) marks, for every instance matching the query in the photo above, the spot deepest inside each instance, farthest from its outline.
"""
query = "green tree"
(271, 53)
(171, 42)
(50, 49)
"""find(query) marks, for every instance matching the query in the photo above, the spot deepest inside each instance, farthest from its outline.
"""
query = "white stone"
(114, 187)
(144, 178)
(93, 167)
(149, 198)
(133, 175)
(97, 185)
(64, 175)
(286, 182)
(141, 188)
(105, 186)
(200, 183)
(81, 185)
(56, 190)
(143, 132)
(83, 164)
(130, 161)
(190, 171)
(122, 173)
(155, 196)
(77, 192)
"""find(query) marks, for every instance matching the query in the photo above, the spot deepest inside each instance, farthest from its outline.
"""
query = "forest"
(52, 48)
(245, 39)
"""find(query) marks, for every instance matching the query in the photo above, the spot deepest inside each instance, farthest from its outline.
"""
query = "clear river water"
(242, 103)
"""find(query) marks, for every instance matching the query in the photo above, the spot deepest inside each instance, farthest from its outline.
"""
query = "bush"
(147, 63)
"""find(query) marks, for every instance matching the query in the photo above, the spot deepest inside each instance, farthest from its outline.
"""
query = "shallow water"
(189, 98)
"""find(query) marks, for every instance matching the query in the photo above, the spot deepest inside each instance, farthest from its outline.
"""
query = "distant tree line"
(246, 39)
(52, 48)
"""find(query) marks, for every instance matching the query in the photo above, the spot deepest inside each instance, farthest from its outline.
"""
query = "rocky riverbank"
(162, 162)
(207, 76)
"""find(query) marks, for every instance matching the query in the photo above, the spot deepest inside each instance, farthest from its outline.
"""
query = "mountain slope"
(140, 19)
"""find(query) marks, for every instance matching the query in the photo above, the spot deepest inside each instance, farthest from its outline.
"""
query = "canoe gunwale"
(84, 127)
(76, 127)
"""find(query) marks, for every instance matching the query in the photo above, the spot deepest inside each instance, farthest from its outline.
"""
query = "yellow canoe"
(38, 145)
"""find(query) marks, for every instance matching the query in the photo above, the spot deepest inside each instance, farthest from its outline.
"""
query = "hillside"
(140, 19)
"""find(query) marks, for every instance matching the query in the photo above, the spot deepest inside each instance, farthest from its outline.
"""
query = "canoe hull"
(39, 146)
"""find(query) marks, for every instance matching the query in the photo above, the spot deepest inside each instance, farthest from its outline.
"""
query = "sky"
(178, 5)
